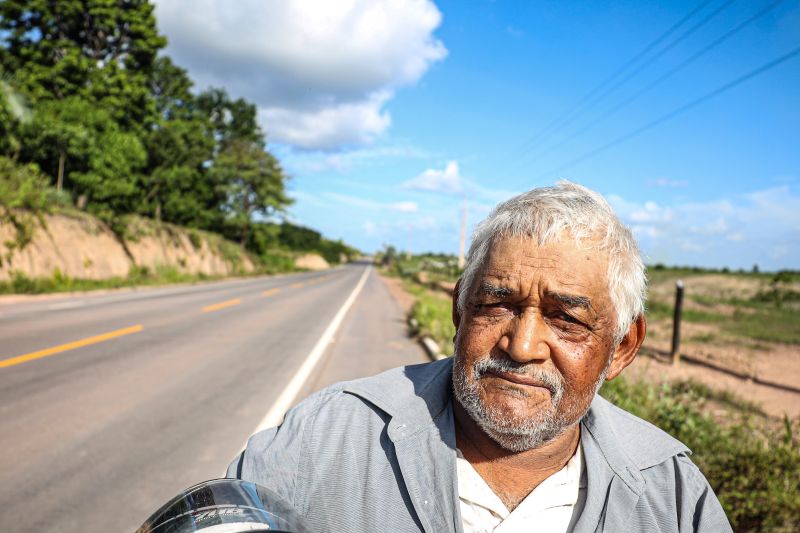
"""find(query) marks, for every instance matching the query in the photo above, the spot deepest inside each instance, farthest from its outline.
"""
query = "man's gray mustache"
(490, 364)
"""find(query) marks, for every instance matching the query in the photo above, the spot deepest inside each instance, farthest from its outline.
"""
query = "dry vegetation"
(745, 324)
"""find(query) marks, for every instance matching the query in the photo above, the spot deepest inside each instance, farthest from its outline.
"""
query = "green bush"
(58, 282)
(432, 312)
(753, 319)
(754, 469)
(275, 261)
(20, 283)
(24, 197)
(195, 239)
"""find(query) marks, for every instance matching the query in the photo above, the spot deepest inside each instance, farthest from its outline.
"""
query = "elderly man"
(509, 435)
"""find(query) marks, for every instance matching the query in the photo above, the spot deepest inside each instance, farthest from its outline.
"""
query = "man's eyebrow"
(494, 290)
(572, 300)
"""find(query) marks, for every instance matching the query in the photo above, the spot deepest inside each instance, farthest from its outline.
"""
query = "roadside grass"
(725, 398)
(58, 282)
(660, 273)
(752, 319)
(753, 467)
(746, 305)
(432, 311)
(703, 337)
(19, 283)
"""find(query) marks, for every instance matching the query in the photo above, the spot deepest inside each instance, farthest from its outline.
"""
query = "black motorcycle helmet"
(225, 506)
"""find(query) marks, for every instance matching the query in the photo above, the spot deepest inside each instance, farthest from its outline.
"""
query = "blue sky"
(389, 115)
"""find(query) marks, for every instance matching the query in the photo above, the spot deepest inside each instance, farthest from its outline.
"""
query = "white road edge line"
(275, 415)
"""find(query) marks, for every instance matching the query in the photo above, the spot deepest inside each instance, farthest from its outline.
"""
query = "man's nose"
(525, 339)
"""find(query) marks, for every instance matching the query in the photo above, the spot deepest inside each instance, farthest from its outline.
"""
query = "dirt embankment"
(80, 246)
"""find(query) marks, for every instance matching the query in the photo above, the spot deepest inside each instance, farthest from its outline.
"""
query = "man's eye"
(494, 309)
(564, 317)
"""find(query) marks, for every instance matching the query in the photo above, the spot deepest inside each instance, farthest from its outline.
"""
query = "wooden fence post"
(676, 323)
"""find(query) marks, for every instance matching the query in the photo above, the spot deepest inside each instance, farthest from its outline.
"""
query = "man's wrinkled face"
(535, 340)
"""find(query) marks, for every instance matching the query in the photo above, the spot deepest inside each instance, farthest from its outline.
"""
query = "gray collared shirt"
(378, 454)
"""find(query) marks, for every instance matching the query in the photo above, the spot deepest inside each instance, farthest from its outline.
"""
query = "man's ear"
(456, 312)
(626, 351)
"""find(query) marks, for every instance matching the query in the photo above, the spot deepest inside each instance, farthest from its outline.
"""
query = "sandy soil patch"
(395, 287)
(769, 372)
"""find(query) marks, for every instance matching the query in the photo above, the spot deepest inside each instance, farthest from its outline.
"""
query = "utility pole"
(463, 240)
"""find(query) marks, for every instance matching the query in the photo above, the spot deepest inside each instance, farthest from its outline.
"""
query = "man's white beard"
(510, 433)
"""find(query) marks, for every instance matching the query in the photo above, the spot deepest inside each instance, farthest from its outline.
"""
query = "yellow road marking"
(70, 346)
(222, 305)
(270, 292)
(296, 285)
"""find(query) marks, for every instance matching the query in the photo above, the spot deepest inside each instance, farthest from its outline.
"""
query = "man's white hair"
(544, 214)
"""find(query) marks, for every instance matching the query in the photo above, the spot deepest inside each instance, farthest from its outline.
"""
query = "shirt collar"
(560, 489)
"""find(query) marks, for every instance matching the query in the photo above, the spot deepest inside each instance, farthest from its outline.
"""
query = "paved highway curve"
(110, 404)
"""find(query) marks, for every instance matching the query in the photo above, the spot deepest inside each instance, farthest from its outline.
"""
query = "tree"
(297, 237)
(86, 151)
(100, 50)
(250, 178)
(178, 187)
(110, 185)
(14, 110)
(253, 184)
(60, 132)
(231, 120)
(84, 65)
(119, 127)
(171, 89)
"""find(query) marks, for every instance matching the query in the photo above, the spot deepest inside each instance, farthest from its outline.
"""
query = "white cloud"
(760, 227)
(777, 203)
(310, 162)
(651, 213)
(369, 228)
(447, 180)
(717, 226)
(401, 229)
(372, 205)
(688, 245)
(320, 71)
(404, 207)
(645, 231)
(307, 198)
(425, 222)
(666, 182)
(641, 215)
(329, 126)
(778, 252)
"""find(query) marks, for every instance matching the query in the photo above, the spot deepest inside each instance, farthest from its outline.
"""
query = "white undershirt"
(550, 506)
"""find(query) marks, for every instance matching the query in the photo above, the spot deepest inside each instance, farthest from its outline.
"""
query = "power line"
(705, 20)
(691, 59)
(610, 79)
(679, 110)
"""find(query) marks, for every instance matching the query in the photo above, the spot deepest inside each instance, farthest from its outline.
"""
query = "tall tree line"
(115, 124)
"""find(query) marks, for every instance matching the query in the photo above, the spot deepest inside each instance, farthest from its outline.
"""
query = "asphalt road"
(111, 404)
